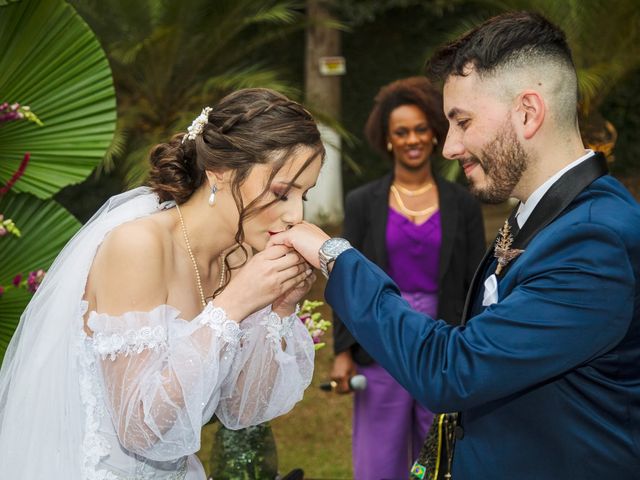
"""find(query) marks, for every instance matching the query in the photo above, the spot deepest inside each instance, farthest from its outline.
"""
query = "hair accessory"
(197, 125)
(389, 146)
(212, 197)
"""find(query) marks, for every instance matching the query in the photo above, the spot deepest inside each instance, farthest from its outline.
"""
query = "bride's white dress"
(129, 401)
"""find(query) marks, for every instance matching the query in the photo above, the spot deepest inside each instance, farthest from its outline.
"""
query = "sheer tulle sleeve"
(162, 376)
(273, 367)
(270, 372)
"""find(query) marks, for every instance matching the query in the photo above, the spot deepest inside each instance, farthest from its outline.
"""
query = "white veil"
(42, 420)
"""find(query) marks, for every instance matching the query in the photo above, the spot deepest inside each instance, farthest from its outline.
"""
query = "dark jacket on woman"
(462, 248)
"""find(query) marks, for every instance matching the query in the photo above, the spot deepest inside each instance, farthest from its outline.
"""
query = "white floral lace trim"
(94, 446)
(132, 341)
(279, 328)
(216, 319)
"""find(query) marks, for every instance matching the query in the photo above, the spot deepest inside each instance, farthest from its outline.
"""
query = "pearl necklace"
(408, 211)
(195, 264)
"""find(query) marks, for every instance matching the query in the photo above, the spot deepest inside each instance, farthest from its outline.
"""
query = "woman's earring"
(435, 140)
(389, 146)
(212, 197)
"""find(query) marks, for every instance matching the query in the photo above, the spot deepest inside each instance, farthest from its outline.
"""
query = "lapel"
(449, 213)
(471, 293)
(379, 215)
(552, 204)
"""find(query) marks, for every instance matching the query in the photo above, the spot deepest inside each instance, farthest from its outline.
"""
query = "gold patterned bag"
(436, 456)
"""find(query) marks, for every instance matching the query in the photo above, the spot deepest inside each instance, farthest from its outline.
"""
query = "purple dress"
(389, 426)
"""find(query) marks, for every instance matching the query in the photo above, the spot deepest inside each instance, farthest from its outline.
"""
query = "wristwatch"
(329, 251)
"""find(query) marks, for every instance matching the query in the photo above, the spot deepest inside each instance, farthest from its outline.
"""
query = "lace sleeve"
(270, 372)
(162, 375)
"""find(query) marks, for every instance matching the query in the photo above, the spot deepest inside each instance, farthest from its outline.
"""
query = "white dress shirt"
(526, 208)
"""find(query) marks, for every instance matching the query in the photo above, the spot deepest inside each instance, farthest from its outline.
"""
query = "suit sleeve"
(573, 302)
(353, 230)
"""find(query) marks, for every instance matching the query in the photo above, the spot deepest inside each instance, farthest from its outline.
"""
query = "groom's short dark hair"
(499, 41)
(515, 48)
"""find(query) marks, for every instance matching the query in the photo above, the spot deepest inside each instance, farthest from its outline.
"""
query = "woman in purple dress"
(427, 234)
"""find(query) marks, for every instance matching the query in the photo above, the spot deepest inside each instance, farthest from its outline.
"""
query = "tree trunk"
(323, 94)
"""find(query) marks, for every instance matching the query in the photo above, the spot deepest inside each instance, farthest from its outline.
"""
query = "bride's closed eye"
(283, 195)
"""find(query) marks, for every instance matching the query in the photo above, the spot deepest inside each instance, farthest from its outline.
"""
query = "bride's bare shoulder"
(129, 270)
(144, 239)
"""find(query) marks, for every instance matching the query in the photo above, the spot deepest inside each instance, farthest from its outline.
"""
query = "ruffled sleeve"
(162, 376)
(272, 368)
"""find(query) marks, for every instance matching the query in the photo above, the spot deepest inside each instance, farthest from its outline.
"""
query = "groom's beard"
(503, 161)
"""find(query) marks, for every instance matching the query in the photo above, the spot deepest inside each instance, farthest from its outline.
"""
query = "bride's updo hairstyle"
(248, 127)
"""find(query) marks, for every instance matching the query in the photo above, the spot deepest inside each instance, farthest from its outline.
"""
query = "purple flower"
(1, 291)
(16, 280)
(34, 280)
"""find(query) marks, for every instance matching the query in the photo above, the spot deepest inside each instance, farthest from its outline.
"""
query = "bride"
(155, 316)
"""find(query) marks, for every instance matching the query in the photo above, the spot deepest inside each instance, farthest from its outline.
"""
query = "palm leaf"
(12, 303)
(46, 227)
(52, 62)
(278, 13)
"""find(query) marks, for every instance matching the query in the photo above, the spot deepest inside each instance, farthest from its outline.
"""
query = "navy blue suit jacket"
(548, 378)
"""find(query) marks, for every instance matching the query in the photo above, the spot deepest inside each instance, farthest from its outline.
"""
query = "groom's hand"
(305, 238)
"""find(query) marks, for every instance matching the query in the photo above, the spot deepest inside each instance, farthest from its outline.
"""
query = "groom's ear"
(530, 113)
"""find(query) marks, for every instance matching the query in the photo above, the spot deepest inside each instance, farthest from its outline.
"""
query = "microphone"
(356, 383)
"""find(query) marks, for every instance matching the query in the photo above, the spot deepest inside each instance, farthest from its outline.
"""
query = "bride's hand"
(286, 303)
(268, 275)
(305, 238)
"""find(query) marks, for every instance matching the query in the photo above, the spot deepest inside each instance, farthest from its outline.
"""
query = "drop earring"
(389, 146)
(435, 140)
(212, 197)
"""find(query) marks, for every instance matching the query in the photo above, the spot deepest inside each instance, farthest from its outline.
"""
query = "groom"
(546, 371)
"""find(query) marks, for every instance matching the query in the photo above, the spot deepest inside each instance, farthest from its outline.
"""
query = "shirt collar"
(526, 208)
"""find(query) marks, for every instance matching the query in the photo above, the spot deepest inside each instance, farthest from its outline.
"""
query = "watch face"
(335, 246)
(329, 251)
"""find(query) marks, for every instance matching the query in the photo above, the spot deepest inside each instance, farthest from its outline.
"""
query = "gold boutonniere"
(502, 250)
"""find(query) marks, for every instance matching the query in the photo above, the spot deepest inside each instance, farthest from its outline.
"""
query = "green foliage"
(45, 227)
(358, 12)
(622, 108)
(172, 58)
(52, 62)
(13, 302)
